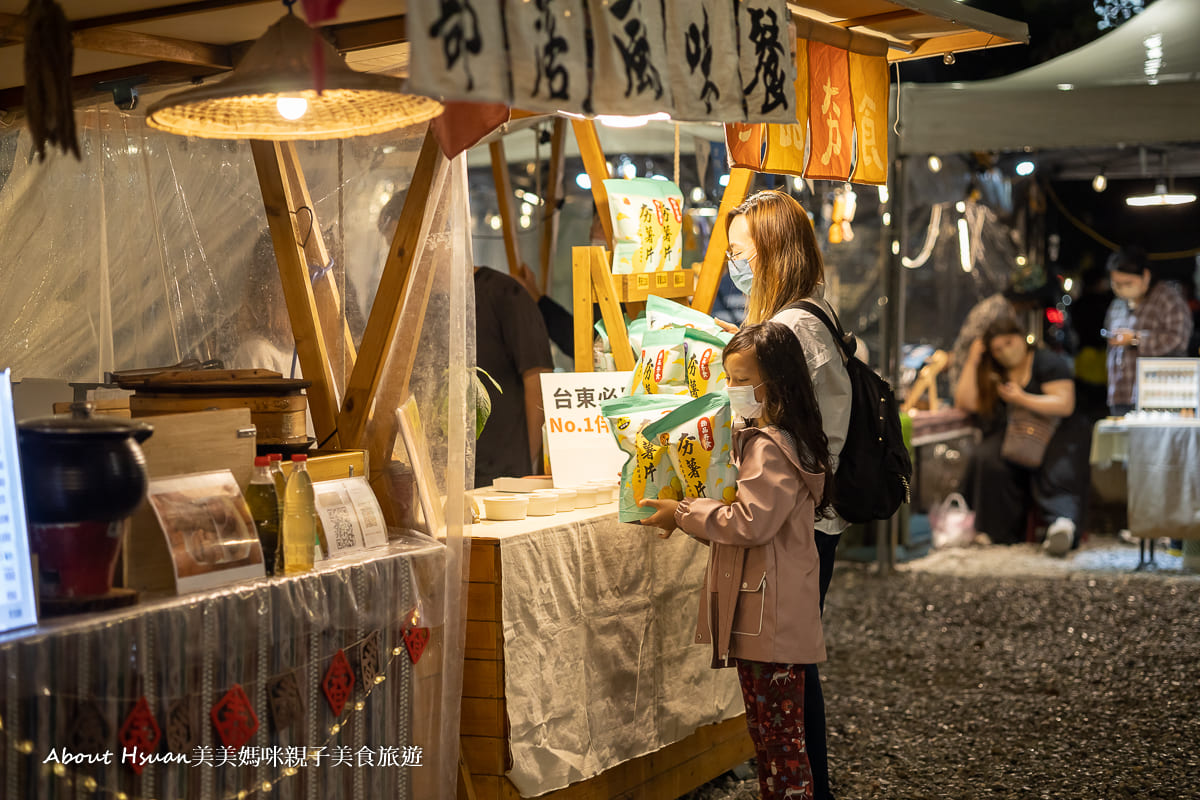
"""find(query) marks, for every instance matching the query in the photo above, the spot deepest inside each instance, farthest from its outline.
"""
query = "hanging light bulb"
(935, 164)
(291, 107)
(1100, 183)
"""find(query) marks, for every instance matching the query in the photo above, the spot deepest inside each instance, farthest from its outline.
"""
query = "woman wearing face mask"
(774, 259)
(1146, 318)
(1003, 370)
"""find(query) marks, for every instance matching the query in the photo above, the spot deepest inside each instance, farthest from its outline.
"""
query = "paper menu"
(18, 605)
(350, 515)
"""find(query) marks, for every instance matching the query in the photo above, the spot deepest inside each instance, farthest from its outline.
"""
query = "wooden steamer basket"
(277, 405)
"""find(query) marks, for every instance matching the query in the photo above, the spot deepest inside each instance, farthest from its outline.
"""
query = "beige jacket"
(761, 591)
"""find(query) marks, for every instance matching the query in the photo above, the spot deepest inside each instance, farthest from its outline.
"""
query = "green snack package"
(702, 359)
(662, 314)
(638, 224)
(698, 438)
(647, 470)
(672, 241)
(661, 368)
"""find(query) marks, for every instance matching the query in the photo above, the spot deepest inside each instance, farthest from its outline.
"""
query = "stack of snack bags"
(647, 222)
(675, 425)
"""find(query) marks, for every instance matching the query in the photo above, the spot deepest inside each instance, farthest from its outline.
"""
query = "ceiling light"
(1100, 183)
(1160, 197)
(883, 193)
(1025, 168)
(258, 99)
(613, 121)
(583, 180)
(935, 164)
(964, 245)
(697, 194)
(724, 179)
(960, 206)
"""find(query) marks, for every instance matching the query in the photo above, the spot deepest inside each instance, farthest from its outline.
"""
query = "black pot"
(80, 467)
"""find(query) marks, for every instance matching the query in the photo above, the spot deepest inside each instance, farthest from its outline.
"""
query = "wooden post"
(597, 170)
(714, 256)
(504, 196)
(581, 282)
(610, 309)
(394, 286)
(554, 193)
(297, 289)
(338, 339)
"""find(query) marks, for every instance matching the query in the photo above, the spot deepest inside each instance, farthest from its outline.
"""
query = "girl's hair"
(991, 373)
(789, 399)
(789, 266)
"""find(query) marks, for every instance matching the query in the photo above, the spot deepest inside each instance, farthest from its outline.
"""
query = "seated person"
(1002, 370)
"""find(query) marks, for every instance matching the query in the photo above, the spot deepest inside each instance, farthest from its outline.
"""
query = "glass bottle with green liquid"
(263, 500)
(299, 519)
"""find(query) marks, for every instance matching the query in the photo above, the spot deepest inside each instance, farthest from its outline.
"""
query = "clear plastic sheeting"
(71, 687)
(155, 248)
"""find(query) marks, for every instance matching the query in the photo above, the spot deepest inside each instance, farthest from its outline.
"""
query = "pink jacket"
(761, 593)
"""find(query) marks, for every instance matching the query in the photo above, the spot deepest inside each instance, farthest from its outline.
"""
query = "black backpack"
(874, 469)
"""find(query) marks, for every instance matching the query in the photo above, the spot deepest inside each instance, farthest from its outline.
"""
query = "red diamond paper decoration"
(140, 732)
(415, 640)
(234, 718)
(338, 683)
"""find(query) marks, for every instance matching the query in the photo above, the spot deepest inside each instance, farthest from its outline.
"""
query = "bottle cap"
(261, 461)
(300, 458)
(275, 456)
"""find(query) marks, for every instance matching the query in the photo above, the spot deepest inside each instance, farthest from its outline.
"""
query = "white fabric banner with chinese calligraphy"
(767, 60)
(703, 62)
(630, 72)
(457, 50)
(548, 46)
(577, 436)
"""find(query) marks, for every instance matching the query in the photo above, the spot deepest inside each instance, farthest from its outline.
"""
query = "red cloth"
(316, 12)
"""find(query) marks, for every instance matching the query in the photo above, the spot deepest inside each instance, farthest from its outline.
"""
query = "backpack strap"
(845, 340)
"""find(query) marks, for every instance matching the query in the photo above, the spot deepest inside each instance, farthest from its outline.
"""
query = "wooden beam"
(162, 12)
(597, 170)
(610, 309)
(336, 331)
(714, 256)
(875, 19)
(132, 43)
(581, 282)
(505, 196)
(553, 195)
(350, 36)
(84, 87)
(297, 289)
(394, 286)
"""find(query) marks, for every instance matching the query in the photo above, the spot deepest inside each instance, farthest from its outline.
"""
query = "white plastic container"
(585, 496)
(543, 503)
(603, 495)
(566, 499)
(505, 507)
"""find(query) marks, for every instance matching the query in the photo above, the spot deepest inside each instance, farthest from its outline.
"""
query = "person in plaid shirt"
(1146, 318)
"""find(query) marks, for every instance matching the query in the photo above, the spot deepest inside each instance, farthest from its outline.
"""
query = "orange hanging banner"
(744, 143)
(831, 111)
(869, 87)
(785, 143)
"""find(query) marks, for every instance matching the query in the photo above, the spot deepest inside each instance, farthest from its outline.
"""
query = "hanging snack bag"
(662, 313)
(637, 222)
(647, 471)
(661, 368)
(672, 242)
(702, 359)
(698, 437)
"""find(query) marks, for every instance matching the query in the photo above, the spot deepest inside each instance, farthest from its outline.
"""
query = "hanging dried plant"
(49, 56)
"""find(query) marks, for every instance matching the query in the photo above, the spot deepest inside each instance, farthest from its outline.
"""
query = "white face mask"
(742, 402)
(741, 274)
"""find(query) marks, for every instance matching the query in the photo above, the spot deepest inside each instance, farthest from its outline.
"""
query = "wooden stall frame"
(504, 197)
(713, 267)
(552, 197)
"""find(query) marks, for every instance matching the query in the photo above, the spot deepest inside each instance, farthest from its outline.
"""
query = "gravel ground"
(1002, 673)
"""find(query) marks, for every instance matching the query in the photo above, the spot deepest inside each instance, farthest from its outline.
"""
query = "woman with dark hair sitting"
(1005, 371)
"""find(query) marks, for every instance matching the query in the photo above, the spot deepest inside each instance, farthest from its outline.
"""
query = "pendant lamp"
(271, 95)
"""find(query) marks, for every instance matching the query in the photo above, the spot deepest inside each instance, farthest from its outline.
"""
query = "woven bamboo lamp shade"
(245, 105)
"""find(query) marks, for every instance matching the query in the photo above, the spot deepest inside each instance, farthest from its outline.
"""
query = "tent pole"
(504, 197)
(740, 180)
(553, 196)
(892, 333)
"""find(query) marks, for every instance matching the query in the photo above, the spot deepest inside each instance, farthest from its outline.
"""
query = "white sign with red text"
(581, 446)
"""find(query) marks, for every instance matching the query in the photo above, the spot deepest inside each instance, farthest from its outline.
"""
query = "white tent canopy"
(1137, 85)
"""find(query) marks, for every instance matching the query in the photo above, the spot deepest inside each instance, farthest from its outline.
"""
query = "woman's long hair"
(788, 266)
(789, 399)
(992, 373)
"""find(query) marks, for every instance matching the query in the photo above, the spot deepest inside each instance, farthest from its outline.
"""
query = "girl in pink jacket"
(759, 605)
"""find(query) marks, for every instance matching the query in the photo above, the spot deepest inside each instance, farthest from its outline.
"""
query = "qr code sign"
(342, 524)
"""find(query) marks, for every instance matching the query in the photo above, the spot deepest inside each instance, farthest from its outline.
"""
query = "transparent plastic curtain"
(155, 248)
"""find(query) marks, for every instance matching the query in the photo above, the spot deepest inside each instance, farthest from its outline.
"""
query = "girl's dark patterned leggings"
(774, 696)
